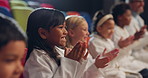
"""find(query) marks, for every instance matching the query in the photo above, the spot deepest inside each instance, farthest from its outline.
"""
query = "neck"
(73, 42)
(120, 24)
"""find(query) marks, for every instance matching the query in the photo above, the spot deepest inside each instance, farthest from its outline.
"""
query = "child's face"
(126, 17)
(107, 29)
(10, 59)
(138, 6)
(57, 36)
(80, 33)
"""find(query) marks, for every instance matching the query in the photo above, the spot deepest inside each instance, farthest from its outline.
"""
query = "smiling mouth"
(64, 37)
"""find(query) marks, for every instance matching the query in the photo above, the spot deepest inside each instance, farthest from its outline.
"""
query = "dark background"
(90, 6)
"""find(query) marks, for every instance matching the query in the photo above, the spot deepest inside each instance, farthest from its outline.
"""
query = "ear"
(98, 28)
(43, 33)
(119, 17)
(70, 32)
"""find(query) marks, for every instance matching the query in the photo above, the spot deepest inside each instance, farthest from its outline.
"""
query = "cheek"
(6, 72)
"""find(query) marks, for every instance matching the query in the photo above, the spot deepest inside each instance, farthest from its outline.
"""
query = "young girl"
(12, 48)
(77, 28)
(122, 40)
(101, 39)
(46, 32)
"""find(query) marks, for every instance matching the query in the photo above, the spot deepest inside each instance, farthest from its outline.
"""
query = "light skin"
(56, 37)
(107, 29)
(10, 59)
(79, 33)
(137, 6)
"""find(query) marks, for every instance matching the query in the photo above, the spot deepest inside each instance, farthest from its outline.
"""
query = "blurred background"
(20, 9)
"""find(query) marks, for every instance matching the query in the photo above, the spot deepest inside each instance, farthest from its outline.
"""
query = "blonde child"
(77, 28)
(46, 33)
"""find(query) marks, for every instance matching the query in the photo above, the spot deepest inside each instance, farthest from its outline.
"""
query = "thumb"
(144, 27)
(103, 54)
(121, 39)
(66, 51)
(85, 57)
(98, 57)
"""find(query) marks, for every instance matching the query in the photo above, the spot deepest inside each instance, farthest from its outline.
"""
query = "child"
(77, 28)
(101, 39)
(12, 48)
(46, 32)
(122, 40)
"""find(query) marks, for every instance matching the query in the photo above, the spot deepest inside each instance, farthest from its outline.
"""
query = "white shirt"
(127, 62)
(40, 65)
(97, 44)
(135, 25)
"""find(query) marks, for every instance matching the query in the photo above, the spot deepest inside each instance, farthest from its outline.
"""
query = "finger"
(144, 27)
(75, 49)
(103, 54)
(121, 39)
(115, 51)
(106, 59)
(78, 51)
(66, 50)
(98, 57)
(105, 65)
(85, 57)
(83, 51)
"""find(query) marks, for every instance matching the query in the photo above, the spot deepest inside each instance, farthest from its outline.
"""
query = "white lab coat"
(40, 65)
(97, 44)
(135, 25)
(127, 62)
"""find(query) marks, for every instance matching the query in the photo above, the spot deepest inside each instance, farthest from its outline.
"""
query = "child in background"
(77, 28)
(101, 40)
(12, 48)
(122, 39)
(46, 32)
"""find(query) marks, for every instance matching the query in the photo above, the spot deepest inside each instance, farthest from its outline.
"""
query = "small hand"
(112, 54)
(124, 43)
(101, 63)
(77, 53)
(139, 34)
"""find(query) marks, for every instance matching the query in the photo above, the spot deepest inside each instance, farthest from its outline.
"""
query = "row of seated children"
(46, 59)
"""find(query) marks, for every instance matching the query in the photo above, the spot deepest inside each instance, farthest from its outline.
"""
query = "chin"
(110, 37)
(63, 44)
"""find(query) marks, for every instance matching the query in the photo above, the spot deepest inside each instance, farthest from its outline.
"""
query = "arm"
(42, 66)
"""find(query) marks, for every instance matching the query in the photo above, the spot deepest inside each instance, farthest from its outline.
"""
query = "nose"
(142, 3)
(19, 68)
(65, 31)
(112, 31)
(88, 33)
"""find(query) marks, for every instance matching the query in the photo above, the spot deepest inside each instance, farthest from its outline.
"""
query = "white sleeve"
(93, 72)
(142, 42)
(122, 51)
(42, 68)
(89, 70)
(95, 48)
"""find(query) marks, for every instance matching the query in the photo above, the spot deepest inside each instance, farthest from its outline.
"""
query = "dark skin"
(124, 43)
(139, 34)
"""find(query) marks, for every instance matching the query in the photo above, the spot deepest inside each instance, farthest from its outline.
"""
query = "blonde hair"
(72, 22)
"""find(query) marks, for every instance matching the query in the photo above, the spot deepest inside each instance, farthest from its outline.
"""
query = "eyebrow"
(11, 55)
